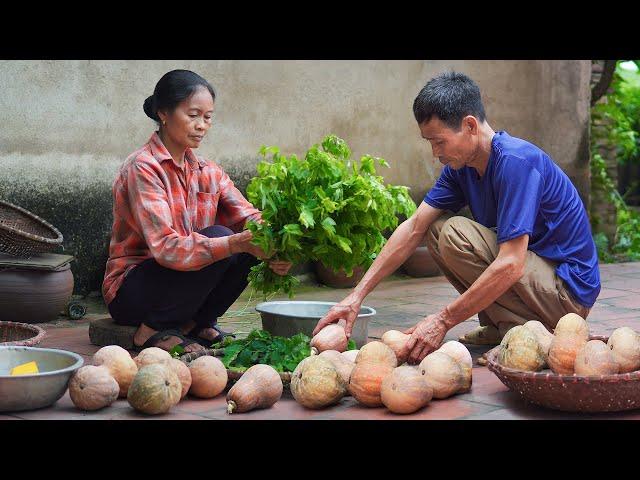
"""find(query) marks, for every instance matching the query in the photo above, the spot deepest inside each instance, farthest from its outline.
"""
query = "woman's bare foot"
(166, 343)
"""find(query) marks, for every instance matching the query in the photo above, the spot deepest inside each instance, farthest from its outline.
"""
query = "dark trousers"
(163, 299)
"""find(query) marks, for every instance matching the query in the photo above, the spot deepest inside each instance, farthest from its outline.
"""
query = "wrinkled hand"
(426, 337)
(346, 310)
(280, 267)
(241, 243)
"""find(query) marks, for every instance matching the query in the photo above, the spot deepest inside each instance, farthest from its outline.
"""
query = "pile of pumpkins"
(568, 350)
(154, 381)
(375, 375)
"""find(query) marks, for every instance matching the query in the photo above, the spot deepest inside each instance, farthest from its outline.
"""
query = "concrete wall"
(67, 125)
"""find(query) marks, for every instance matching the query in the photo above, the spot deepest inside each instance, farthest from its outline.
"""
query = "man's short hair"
(450, 96)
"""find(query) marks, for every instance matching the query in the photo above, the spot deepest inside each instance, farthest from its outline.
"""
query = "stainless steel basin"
(38, 390)
(287, 318)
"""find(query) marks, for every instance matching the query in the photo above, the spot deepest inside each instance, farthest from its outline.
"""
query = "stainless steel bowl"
(287, 318)
(38, 390)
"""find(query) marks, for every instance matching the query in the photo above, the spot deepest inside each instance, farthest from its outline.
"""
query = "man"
(529, 254)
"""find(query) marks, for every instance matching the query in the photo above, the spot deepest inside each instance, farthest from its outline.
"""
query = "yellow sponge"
(25, 369)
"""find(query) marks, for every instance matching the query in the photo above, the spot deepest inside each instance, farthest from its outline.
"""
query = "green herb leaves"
(260, 346)
(325, 208)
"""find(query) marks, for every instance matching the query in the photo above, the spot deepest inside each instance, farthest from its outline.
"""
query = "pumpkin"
(377, 352)
(350, 355)
(152, 355)
(93, 388)
(624, 344)
(405, 390)
(563, 351)
(208, 377)
(365, 382)
(460, 354)
(183, 373)
(155, 389)
(544, 336)
(120, 365)
(316, 383)
(595, 358)
(259, 387)
(520, 349)
(343, 366)
(397, 341)
(331, 337)
(442, 373)
(574, 325)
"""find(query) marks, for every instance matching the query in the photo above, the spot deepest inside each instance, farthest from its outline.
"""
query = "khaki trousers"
(463, 249)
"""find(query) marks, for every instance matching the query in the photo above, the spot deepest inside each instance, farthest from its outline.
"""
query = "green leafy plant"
(326, 207)
(615, 126)
(260, 346)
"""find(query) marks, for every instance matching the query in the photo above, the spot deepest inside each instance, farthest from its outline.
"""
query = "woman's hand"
(241, 243)
(280, 267)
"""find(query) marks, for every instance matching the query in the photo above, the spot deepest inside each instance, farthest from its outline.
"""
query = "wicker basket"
(20, 334)
(572, 393)
(23, 233)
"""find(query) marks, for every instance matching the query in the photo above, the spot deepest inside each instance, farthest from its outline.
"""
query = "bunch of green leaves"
(325, 207)
(260, 347)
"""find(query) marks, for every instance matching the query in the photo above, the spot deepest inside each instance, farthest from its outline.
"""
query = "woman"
(179, 254)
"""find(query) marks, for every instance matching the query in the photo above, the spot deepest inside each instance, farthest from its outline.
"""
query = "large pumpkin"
(183, 373)
(460, 354)
(443, 374)
(574, 325)
(259, 387)
(209, 377)
(624, 343)
(563, 351)
(155, 389)
(343, 365)
(521, 350)
(544, 336)
(397, 341)
(315, 383)
(405, 390)
(92, 388)
(377, 352)
(595, 358)
(152, 355)
(119, 363)
(365, 383)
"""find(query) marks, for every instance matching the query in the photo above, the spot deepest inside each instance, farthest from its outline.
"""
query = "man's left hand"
(426, 337)
(280, 267)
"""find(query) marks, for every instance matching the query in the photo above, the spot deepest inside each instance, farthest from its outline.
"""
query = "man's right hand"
(347, 310)
(241, 243)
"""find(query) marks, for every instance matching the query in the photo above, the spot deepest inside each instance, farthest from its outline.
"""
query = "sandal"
(484, 335)
(162, 335)
(193, 335)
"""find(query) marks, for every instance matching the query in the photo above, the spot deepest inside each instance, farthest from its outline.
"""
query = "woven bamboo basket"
(20, 334)
(572, 393)
(24, 234)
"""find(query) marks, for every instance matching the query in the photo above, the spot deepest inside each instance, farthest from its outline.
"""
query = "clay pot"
(327, 276)
(34, 296)
(421, 264)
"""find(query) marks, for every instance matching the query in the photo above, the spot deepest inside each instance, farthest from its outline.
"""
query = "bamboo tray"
(572, 393)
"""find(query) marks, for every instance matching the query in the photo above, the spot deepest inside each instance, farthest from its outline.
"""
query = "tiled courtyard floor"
(400, 302)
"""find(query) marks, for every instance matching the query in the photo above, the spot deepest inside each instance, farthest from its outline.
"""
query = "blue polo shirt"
(524, 192)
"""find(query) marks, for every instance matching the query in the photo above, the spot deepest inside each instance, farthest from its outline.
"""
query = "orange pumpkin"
(365, 383)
